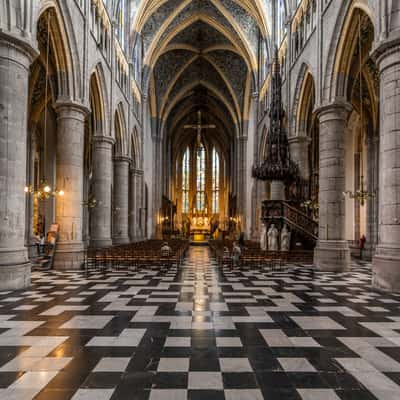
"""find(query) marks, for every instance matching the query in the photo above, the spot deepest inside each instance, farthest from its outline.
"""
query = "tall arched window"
(120, 23)
(281, 23)
(186, 181)
(201, 178)
(215, 181)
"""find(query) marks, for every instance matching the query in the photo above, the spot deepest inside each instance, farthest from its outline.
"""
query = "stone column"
(132, 205)
(33, 144)
(100, 232)
(242, 163)
(332, 252)
(299, 152)
(372, 186)
(386, 263)
(278, 190)
(140, 212)
(69, 208)
(121, 200)
(157, 188)
(15, 59)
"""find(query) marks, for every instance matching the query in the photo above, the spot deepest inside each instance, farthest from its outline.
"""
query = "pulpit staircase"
(304, 229)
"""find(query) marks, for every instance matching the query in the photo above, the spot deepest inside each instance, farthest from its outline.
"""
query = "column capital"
(17, 49)
(338, 109)
(122, 159)
(387, 48)
(136, 171)
(71, 109)
(103, 139)
(299, 140)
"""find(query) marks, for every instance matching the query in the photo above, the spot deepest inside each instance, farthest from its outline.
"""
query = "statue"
(285, 239)
(263, 238)
(273, 238)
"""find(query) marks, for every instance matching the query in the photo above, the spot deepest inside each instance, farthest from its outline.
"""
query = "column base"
(99, 243)
(121, 240)
(332, 255)
(386, 270)
(15, 269)
(69, 256)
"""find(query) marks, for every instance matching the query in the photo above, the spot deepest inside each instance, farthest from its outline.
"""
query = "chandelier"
(44, 191)
(361, 194)
(91, 202)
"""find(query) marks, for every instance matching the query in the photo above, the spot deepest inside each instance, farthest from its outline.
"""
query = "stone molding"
(71, 109)
(101, 139)
(26, 48)
(339, 108)
(122, 159)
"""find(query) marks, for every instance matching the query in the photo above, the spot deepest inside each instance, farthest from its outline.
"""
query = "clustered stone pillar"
(332, 252)
(242, 163)
(372, 202)
(141, 220)
(33, 145)
(133, 205)
(386, 263)
(69, 208)
(299, 152)
(121, 200)
(157, 187)
(100, 233)
(14, 71)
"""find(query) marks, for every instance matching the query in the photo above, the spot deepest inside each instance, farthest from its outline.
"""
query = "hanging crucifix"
(199, 127)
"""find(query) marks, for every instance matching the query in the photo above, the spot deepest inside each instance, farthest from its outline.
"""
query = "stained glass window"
(120, 25)
(215, 181)
(281, 24)
(186, 181)
(201, 179)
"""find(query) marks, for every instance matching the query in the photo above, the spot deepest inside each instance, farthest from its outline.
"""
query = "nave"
(200, 332)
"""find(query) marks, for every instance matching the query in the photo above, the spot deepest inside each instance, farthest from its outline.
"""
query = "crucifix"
(199, 127)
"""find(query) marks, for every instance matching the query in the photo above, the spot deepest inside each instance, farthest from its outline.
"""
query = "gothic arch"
(121, 145)
(305, 105)
(301, 79)
(98, 101)
(135, 148)
(341, 49)
(63, 45)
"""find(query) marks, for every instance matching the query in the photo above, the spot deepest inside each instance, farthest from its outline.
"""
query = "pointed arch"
(121, 147)
(305, 105)
(98, 101)
(63, 44)
(342, 47)
(135, 148)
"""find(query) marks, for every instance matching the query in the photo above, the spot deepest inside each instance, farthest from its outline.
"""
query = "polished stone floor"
(200, 333)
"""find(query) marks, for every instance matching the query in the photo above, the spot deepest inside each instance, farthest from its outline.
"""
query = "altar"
(200, 229)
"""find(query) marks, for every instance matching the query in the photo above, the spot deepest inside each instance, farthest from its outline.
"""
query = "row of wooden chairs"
(136, 255)
(254, 258)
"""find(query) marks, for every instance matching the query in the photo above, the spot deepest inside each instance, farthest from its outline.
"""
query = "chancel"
(199, 199)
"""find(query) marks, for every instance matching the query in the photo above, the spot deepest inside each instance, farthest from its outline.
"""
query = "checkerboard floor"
(200, 333)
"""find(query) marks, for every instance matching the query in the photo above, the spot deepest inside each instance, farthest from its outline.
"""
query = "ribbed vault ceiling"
(200, 46)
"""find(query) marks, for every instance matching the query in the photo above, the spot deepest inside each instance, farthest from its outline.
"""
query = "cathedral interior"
(200, 199)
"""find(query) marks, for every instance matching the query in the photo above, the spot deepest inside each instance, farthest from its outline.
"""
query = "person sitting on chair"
(40, 244)
(165, 250)
(236, 253)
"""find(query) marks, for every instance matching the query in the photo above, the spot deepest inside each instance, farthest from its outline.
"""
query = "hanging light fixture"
(360, 194)
(45, 191)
